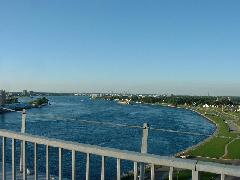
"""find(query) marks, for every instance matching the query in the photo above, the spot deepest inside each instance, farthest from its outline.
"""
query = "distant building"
(206, 106)
(93, 96)
(31, 93)
(25, 93)
(2, 97)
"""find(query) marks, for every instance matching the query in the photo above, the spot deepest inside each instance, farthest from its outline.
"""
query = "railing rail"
(153, 160)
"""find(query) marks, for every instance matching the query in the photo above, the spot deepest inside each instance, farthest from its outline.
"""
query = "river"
(63, 119)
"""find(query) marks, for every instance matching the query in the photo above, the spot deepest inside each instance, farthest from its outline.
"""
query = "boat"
(124, 101)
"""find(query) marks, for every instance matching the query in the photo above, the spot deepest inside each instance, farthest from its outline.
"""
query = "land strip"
(214, 147)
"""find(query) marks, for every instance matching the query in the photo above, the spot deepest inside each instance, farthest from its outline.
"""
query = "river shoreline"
(200, 114)
(191, 147)
(20, 106)
(204, 141)
(205, 117)
(18, 109)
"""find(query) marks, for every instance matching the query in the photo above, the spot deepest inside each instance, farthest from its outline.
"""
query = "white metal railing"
(153, 160)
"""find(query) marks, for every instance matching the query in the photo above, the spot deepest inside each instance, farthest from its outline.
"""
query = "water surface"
(63, 120)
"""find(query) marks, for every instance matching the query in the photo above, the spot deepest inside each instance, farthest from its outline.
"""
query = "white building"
(206, 106)
(238, 110)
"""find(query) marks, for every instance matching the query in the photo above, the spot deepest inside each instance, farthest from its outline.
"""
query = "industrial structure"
(2, 97)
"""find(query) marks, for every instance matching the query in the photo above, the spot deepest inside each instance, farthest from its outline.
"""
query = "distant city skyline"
(174, 47)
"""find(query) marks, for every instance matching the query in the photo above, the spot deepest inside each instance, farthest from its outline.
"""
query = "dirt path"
(226, 147)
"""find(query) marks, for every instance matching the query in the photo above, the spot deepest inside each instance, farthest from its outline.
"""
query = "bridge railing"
(135, 157)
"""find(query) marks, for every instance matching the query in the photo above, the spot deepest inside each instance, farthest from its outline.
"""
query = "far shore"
(37, 103)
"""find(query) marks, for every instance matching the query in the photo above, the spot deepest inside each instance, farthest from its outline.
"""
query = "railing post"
(222, 176)
(24, 115)
(47, 162)
(35, 161)
(152, 172)
(171, 173)
(3, 158)
(144, 148)
(13, 159)
(23, 129)
(135, 170)
(88, 167)
(195, 175)
(103, 168)
(118, 169)
(24, 160)
(60, 164)
(73, 165)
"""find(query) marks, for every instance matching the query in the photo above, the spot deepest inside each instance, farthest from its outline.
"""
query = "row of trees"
(180, 100)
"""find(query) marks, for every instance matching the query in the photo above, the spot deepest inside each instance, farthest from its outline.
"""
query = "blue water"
(62, 120)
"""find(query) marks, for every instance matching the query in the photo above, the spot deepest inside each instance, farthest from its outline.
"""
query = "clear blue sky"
(182, 47)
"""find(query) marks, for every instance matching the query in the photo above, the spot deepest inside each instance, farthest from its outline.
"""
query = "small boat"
(125, 101)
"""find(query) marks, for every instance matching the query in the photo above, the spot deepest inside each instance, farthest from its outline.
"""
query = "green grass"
(186, 174)
(223, 127)
(207, 176)
(215, 148)
(182, 175)
(233, 150)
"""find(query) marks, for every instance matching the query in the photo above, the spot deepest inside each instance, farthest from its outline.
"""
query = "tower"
(2, 97)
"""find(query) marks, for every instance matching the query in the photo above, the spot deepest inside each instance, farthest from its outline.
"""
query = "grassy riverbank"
(217, 146)
(222, 147)
(214, 148)
(224, 112)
